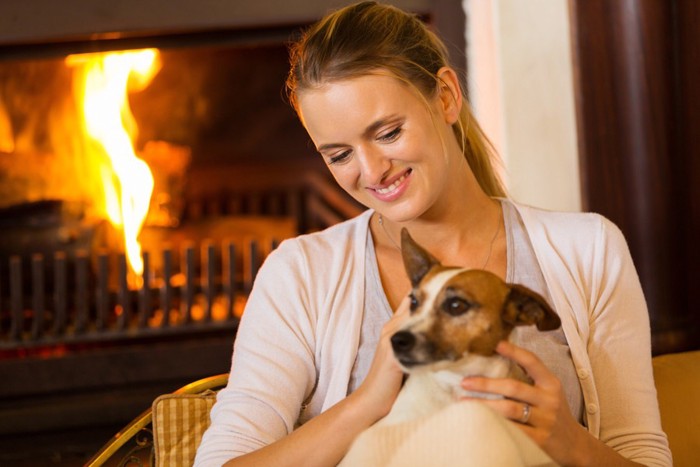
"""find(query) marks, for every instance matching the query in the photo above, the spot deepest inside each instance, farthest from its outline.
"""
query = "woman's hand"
(549, 422)
(381, 386)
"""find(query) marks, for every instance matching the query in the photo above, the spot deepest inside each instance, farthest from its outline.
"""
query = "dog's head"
(457, 312)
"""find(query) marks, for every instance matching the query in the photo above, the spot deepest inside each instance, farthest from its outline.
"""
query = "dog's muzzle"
(402, 342)
(413, 349)
(405, 345)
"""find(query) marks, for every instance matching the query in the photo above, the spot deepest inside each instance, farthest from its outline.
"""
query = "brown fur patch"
(479, 329)
(469, 312)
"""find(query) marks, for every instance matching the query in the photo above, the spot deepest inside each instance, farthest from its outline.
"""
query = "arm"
(324, 440)
(274, 372)
(551, 424)
(619, 348)
(619, 351)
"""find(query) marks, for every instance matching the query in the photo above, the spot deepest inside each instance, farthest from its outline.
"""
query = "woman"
(312, 365)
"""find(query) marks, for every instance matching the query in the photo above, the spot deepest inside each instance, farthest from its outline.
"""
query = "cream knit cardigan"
(299, 335)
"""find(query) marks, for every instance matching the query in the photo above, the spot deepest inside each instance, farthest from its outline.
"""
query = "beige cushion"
(179, 421)
(677, 379)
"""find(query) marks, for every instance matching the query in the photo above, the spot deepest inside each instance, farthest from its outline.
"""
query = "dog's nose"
(403, 341)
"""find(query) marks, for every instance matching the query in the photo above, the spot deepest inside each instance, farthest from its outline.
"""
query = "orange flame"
(102, 82)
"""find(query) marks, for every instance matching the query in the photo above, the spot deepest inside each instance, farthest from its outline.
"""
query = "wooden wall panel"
(635, 63)
(688, 154)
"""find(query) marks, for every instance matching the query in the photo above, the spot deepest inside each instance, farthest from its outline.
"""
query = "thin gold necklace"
(488, 256)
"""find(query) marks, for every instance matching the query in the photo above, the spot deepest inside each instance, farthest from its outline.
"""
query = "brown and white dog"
(457, 317)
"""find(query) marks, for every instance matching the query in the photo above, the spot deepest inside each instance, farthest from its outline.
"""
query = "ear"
(416, 260)
(450, 94)
(524, 306)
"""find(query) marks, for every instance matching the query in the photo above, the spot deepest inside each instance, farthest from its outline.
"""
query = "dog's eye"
(413, 302)
(456, 306)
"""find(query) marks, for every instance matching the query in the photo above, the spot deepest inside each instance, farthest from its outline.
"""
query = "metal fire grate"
(83, 299)
(64, 297)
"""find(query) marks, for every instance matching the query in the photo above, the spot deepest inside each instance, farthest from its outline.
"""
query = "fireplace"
(86, 337)
(232, 175)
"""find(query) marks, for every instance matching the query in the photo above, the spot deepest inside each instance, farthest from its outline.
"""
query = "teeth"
(392, 187)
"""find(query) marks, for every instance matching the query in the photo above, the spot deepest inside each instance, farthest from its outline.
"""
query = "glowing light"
(102, 82)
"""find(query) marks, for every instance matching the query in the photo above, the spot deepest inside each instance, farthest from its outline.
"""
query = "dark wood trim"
(633, 64)
(687, 169)
(103, 386)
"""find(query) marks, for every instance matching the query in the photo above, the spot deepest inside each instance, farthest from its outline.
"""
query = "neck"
(461, 230)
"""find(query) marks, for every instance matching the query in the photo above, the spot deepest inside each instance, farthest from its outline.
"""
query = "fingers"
(542, 397)
(397, 320)
(511, 388)
(404, 306)
(384, 349)
(517, 411)
(383, 381)
(506, 387)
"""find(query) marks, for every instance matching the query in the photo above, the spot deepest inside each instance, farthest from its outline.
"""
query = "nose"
(403, 341)
(374, 166)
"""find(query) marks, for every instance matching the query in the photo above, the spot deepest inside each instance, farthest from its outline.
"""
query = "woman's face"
(388, 147)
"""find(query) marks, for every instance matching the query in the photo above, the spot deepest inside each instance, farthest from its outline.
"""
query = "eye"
(339, 158)
(390, 137)
(456, 306)
(413, 302)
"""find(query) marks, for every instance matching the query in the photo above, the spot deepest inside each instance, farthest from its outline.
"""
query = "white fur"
(431, 387)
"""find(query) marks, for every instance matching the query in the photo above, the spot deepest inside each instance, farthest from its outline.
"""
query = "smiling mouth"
(395, 185)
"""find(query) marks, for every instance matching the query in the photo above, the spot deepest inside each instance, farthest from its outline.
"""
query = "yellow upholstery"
(179, 421)
(677, 378)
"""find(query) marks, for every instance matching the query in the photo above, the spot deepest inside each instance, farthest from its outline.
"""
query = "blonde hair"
(365, 37)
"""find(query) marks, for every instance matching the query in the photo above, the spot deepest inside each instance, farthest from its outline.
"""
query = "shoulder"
(585, 228)
(342, 240)
(576, 241)
(337, 235)
(565, 220)
(296, 277)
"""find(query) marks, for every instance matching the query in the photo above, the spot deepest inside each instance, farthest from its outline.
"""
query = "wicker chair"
(149, 441)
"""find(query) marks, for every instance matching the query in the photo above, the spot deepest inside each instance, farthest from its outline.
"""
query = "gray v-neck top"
(522, 268)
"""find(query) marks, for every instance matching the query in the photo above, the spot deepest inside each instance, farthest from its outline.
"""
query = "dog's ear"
(416, 260)
(524, 306)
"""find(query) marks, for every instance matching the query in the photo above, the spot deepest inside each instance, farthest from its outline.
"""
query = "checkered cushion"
(179, 421)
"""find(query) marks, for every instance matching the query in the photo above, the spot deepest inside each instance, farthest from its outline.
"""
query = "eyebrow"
(371, 129)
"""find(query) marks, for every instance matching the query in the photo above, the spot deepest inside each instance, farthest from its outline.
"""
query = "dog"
(457, 318)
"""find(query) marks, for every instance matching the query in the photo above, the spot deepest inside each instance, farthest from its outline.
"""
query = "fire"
(101, 84)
